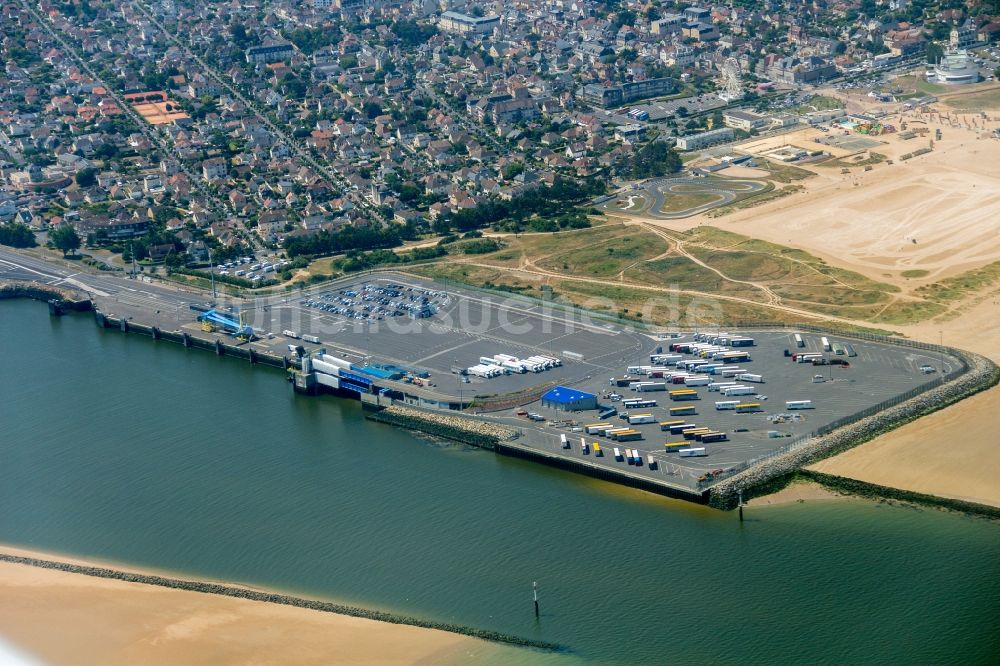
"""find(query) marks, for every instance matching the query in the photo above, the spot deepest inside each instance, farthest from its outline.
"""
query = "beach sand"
(797, 491)
(67, 618)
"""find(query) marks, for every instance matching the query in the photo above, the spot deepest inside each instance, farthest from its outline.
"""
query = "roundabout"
(675, 198)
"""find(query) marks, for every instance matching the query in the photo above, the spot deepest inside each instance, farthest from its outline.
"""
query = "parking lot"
(417, 325)
(878, 373)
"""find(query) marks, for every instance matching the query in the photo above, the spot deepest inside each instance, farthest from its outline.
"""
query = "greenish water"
(116, 447)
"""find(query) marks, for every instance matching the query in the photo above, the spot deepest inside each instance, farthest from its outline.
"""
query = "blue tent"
(569, 399)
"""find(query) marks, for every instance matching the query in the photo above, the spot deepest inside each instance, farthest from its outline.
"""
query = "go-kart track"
(660, 198)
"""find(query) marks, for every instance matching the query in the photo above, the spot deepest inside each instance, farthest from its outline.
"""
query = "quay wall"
(505, 441)
(758, 479)
(621, 477)
(217, 346)
(275, 598)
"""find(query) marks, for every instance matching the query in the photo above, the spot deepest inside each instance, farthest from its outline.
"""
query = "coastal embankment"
(475, 432)
(60, 299)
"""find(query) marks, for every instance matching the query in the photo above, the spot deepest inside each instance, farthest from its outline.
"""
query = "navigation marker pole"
(741, 506)
(534, 589)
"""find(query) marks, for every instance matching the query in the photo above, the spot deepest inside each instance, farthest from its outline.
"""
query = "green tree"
(86, 177)
(15, 234)
(64, 238)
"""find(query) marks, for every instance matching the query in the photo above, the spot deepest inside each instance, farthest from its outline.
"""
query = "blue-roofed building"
(568, 399)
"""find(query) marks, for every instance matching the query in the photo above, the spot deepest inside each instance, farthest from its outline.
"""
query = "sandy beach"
(102, 621)
(800, 491)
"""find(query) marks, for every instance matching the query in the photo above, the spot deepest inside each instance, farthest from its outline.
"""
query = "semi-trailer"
(667, 425)
(799, 342)
(697, 452)
(697, 381)
(738, 390)
(674, 447)
(750, 377)
(798, 404)
(717, 387)
(726, 404)
(635, 419)
(680, 428)
(618, 455)
(595, 428)
(826, 343)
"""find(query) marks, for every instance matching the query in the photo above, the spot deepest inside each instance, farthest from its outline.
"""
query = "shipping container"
(698, 452)
(726, 404)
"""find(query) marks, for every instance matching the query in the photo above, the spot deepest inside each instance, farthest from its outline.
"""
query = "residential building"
(464, 24)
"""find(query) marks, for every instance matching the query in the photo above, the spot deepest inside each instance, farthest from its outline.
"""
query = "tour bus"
(799, 342)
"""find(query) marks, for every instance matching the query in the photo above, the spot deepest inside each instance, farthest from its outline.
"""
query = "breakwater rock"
(275, 598)
(982, 374)
(450, 426)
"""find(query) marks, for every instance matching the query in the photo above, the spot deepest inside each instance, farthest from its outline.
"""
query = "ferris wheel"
(732, 79)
